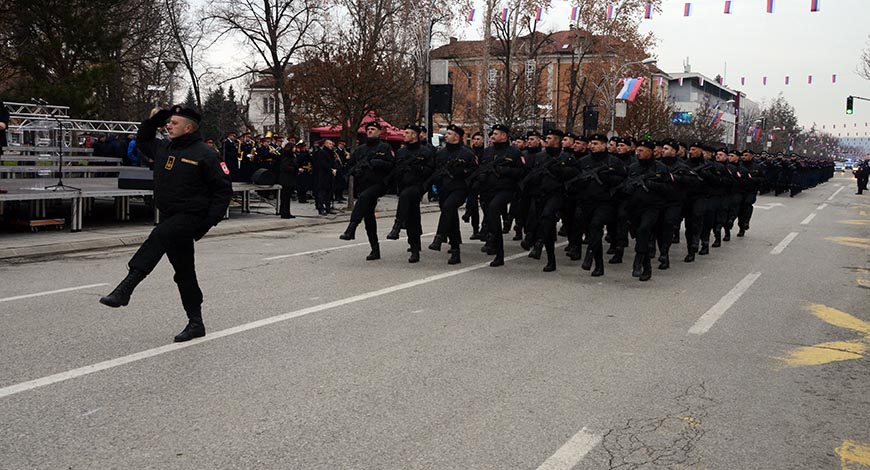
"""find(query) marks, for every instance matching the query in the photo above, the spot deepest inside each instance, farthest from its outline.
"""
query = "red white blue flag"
(575, 13)
(470, 17)
(727, 7)
(764, 81)
(814, 5)
(810, 80)
(687, 9)
(630, 87)
(539, 13)
(717, 118)
(770, 6)
(834, 78)
(742, 81)
(611, 12)
(786, 79)
(504, 15)
(648, 11)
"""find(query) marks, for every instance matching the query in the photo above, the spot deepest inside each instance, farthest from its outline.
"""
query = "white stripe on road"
(715, 313)
(784, 243)
(822, 207)
(808, 219)
(112, 363)
(322, 250)
(572, 452)
(59, 291)
(835, 193)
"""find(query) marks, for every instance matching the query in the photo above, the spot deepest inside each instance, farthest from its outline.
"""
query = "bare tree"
(191, 42)
(864, 66)
(278, 31)
(703, 126)
(650, 114)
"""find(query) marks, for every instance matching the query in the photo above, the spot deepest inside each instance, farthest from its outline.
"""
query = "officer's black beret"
(647, 143)
(458, 130)
(749, 151)
(374, 124)
(671, 143)
(533, 133)
(709, 148)
(613, 139)
(414, 128)
(682, 144)
(722, 149)
(583, 138)
(624, 140)
(571, 135)
(188, 113)
(555, 132)
(697, 144)
(598, 137)
(502, 127)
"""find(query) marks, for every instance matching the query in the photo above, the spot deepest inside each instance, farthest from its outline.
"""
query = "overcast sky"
(792, 41)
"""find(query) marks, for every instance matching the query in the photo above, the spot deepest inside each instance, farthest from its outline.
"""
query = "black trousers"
(472, 207)
(174, 237)
(286, 197)
(694, 211)
(364, 210)
(862, 184)
(618, 227)
(744, 214)
(322, 197)
(448, 222)
(497, 206)
(594, 217)
(733, 201)
(408, 213)
(711, 215)
(645, 220)
(669, 220)
(548, 207)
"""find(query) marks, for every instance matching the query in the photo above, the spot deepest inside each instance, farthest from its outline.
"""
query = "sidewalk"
(110, 234)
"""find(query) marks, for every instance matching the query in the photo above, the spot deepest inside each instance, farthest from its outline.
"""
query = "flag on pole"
(575, 13)
(764, 81)
(660, 81)
(701, 82)
(648, 11)
(814, 5)
(687, 9)
(810, 80)
(727, 7)
(742, 81)
(757, 134)
(539, 13)
(504, 15)
(680, 81)
(611, 12)
(834, 78)
(770, 6)
(470, 17)
(786, 79)
(717, 118)
(630, 87)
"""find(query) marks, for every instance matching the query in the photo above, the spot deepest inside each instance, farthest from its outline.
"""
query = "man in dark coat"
(415, 163)
(192, 190)
(287, 170)
(649, 188)
(325, 167)
(455, 163)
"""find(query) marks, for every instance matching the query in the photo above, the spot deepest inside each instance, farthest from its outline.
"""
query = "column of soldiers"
(623, 187)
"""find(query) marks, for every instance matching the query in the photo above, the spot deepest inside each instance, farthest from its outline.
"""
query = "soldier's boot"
(415, 255)
(527, 243)
(536, 250)
(705, 249)
(437, 240)
(664, 260)
(717, 241)
(637, 265)
(498, 261)
(454, 256)
(611, 249)
(576, 253)
(394, 233)
(587, 260)
(676, 239)
(599, 263)
(466, 216)
(518, 234)
(646, 269)
(120, 296)
(475, 234)
(727, 237)
(506, 226)
(690, 257)
(563, 231)
(551, 260)
(350, 232)
(194, 329)
(741, 232)
(375, 254)
(618, 253)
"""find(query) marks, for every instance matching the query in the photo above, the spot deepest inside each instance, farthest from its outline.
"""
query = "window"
(469, 79)
(450, 77)
(268, 104)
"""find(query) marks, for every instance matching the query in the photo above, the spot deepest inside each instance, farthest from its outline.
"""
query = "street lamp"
(648, 60)
(171, 65)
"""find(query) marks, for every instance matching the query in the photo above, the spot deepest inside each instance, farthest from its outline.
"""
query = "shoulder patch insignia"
(189, 162)
(224, 168)
(170, 162)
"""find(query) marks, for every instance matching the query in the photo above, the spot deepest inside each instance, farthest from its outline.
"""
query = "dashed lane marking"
(821, 207)
(572, 451)
(784, 243)
(835, 193)
(322, 250)
(710, 317)
(808, 219)
(59, 291)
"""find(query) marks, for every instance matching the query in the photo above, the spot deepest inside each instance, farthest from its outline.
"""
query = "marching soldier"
(697, 201)
(415, 163)
(672, 211)
(455, 163)
(649, 186)
(753, 181)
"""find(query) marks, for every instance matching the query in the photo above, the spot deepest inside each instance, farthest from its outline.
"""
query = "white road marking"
(59, 291)
(710, 317)
(835, 193)
(821, 207)
(322, 250)
(784, 243)
(572, 452)
(808, 219)
(120, 361)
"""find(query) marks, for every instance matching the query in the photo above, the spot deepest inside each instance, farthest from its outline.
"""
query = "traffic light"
(849, 105)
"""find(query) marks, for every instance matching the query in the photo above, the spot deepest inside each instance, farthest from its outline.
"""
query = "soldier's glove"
(160, 117)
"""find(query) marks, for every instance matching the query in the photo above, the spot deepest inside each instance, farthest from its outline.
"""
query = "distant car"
(841, 167)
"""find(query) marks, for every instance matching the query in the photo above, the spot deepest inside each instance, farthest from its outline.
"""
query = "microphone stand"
(60, 186)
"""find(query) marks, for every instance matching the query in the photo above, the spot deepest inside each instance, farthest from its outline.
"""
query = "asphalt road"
(752, 357)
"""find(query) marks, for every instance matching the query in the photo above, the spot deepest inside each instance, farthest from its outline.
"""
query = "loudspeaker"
(136, 179)
(441, 99)
(590, 119)
(263, 177)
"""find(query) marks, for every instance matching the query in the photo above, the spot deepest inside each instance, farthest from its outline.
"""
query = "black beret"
(555, 132)
(188, 113)
(374, 124)
(476, 134)
(682, 144)
(502, 127)
(749, 151)
(414, 128)
(533, 133)
(614, 139)
(598, 137)
(571, 135)
(458, 130)
(671, 143)
(734, 151)
(624, 140)
(697, 144)
(709, 148)
(583, 139)
(647, 143)
(722, 149)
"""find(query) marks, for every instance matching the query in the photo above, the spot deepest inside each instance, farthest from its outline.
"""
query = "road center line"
(710, 317)
(784, 243)
(321, 250)
(835, 193)
(59, 291)
(821, 207)
(808, 219)
(572, 452)
(120, 361)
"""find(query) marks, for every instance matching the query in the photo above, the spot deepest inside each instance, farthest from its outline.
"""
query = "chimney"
(452, 40)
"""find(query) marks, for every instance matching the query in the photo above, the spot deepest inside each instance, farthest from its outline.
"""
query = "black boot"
(194, 329)
(646, 271)
(664, 260)
(717, 241)
(576, 253)
(415, 256)
(599, 263)
(587, 261)
(454, 256)
(618, 253)
(637, 265)
(375, 254)
(611, 250)
(551, 261)
(690, 257)
(350, 233)
(394, 233)
(705, 249)
(437, 240)
(676, 239)
(475, 234)
(741, 232)
(498, 261)
(727, 237)
(526, 244)
(535, 253)
(518, 235)
(121, 295)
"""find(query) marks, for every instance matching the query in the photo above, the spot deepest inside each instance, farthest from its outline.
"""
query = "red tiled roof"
(560, 42)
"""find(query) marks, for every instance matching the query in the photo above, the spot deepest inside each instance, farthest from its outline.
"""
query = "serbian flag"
(727, 7)
(742, 81)
(648, 11)
(717, 118)
(814, 5)
(810, 80)
(687, 9)
(504, 15)
(770, 6)
(630, 87)
(575, 13)
(786, 79)
(539, 13)
(611, 12)
(757, 134)
(470, 17)
(834, 78)
(764, 81)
